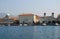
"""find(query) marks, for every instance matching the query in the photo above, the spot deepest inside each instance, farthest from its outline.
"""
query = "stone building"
(6, 20)
(28, 18)
(47, 19)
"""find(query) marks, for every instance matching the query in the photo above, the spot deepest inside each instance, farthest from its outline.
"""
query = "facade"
(27, 18)
(15, 20)
(41, 20)
(6, 20)
(36, 18)
(47, 19)
(58, 17)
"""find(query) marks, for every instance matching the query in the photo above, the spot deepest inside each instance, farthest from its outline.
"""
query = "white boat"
(44, 24)
(20, 24)
(57, 24)
(25, 24)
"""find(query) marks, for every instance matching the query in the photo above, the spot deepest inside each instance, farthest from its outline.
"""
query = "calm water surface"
(29, 32)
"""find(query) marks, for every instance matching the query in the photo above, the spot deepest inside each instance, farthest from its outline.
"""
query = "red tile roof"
(14, 18)
(1, 19)
(26, 14)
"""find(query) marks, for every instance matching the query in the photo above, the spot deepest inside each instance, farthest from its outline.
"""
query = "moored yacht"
(44, 24)
(56, 24)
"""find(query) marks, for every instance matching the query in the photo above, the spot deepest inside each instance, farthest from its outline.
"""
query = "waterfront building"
(28, 19)
(6, 20)
(47, 19)
(41, 20)
(15, 20)
(58, 17)
(36, 18)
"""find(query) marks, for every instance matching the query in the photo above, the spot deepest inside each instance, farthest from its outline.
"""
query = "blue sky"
(38, 7)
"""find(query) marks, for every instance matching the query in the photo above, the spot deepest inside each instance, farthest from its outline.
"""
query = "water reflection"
(45, 32)
(30, 32)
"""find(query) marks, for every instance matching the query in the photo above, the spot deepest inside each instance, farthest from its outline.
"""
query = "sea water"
(29, 32)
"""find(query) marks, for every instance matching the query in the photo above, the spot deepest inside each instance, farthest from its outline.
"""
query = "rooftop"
(14, 18)
(26, 14)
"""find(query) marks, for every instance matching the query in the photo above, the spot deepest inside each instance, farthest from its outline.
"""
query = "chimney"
(44, 14)
(52, 14)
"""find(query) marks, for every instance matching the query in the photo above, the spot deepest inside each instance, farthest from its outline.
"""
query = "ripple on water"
(29, 32)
